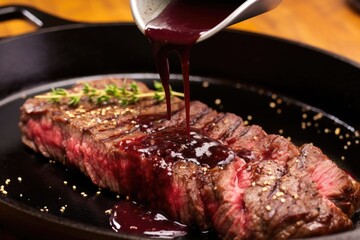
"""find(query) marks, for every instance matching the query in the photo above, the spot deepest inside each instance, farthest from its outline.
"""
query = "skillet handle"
(32, 15)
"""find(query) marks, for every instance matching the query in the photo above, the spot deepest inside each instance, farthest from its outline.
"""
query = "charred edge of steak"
(272, 189)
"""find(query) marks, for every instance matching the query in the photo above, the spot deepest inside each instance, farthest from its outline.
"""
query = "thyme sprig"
(125, 95)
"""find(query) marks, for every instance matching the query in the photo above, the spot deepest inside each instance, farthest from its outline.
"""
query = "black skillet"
(286, 87)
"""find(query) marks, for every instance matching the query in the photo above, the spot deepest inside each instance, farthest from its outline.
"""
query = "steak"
(227, 176)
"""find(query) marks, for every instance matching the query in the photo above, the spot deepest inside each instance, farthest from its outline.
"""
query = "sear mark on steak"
(234, 178)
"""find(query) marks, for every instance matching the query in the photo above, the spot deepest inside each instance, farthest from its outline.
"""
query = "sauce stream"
(177, 28)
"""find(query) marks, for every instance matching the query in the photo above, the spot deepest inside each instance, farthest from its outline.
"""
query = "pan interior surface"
(58, 192)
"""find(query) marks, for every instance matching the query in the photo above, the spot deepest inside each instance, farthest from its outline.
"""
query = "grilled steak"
(234, 178)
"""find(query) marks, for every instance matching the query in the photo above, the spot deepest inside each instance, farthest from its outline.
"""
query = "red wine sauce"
(172, 144)
(177, 28)
(131, 218)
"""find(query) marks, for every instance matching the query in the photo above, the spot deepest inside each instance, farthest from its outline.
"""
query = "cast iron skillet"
(304, 93)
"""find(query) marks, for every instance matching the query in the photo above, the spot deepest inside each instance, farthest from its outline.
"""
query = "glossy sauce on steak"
(231, 177)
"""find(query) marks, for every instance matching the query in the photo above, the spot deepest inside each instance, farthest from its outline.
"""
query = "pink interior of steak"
(236, 178)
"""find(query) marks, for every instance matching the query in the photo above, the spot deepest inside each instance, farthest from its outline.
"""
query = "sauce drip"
(177, 28)
(131, 218)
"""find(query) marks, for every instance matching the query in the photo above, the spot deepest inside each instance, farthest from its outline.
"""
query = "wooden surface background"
(328, 24)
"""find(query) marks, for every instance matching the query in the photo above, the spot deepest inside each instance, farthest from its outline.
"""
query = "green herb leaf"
(127, 94)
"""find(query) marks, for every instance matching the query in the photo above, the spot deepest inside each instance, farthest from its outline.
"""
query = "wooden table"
(328, 24)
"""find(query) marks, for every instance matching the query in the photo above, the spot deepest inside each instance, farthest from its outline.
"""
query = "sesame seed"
(279, 194)
(74, 187)
(7, 181)
(108, 212)
(218, 101)
(267, 182)
(304, 116)
(44, 209)
(343, 158)
(282, 200)
(318, 116)
(274, 96)
(205, 84)
(281, 131)
(326, 130)
(272, 104)
(337, 131)
(19, 179)
(65, 182)
(268, 207)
